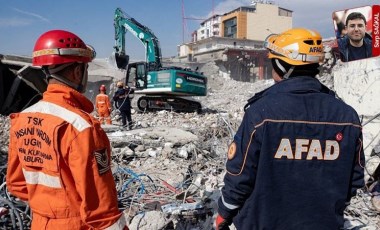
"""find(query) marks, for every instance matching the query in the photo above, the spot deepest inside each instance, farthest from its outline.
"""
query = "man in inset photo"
(356, 44)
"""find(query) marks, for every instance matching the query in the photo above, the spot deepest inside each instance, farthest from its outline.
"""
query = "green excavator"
(163, 88)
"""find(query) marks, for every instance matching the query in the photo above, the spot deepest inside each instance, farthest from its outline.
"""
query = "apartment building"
(256, 22)
(242, 30)
(208, 28)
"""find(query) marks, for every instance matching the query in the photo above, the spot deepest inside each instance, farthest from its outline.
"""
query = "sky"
(23, 21)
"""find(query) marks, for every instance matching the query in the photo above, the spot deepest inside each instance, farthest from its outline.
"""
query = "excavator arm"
(124, 23)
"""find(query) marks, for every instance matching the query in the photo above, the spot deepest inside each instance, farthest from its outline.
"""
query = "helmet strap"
(82, 87)
(285, 73)
(290, 71)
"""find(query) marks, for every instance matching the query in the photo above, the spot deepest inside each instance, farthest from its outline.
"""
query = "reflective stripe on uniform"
(55, 110)
(42, 179)
(118, 225)
(229, 206)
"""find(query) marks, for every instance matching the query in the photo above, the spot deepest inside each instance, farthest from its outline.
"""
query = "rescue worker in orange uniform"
(103, 106)
(59, 157)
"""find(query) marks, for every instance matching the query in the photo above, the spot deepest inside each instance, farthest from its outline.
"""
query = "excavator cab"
(137, 73)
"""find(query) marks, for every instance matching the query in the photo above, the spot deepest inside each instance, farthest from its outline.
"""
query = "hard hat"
(119, 84)
(102, 88)
(296, 46)
(59, 47)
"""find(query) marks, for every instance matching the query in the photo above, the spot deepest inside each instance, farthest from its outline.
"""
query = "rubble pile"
(4, 134)
(214, 128)
(169, 168)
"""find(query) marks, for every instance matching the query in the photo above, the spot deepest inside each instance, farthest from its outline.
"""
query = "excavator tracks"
(176, 104)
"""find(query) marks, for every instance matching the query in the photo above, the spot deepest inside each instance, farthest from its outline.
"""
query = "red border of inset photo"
(376, 30)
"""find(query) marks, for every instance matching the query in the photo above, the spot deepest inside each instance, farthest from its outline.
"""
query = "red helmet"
(102, 88)
(59, 47)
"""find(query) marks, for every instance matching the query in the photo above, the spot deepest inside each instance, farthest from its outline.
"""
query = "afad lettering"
(308, 149)
(315, 49)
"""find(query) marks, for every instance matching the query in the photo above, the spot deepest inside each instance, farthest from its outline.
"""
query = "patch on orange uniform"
(102, 160)
(231, 151)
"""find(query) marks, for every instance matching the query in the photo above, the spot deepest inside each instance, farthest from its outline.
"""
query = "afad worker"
(297, 157)
(103, 105)
(59, 157)
(122, 102)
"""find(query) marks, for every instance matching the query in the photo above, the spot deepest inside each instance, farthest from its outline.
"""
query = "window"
(230, 28)
(284, 12)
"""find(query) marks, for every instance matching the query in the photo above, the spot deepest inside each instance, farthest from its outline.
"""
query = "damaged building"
(236, 40)
(21, 84)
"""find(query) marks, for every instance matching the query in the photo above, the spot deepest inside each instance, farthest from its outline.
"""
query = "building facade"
(208, 28)
(256, 22)
(242, 30)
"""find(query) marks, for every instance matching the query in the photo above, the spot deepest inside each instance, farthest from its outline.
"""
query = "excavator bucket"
(121, 61)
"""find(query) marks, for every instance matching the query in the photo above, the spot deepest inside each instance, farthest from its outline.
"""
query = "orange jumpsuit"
(59, 162)
(103, 107)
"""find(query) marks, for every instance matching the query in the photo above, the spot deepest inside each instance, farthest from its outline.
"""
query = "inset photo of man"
(353, 29)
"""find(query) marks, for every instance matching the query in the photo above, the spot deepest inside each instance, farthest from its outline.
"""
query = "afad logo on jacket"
(102, 160)
(308, 149)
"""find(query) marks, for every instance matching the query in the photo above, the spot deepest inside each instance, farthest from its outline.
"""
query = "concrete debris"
(361, 214)
(374, 189)
(141, 221)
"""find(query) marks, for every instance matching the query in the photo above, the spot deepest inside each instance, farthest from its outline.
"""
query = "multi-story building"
(208, 28)
(256, 22)
(240, 31)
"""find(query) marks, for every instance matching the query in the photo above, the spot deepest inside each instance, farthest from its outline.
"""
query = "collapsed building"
(21, 84)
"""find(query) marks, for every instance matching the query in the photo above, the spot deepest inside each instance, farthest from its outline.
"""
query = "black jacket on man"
(344, 43)
(123, 104)
(121, 99)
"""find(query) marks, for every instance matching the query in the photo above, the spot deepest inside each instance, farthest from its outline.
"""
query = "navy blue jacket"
(294, 161)
(343, 44)
(121, 99)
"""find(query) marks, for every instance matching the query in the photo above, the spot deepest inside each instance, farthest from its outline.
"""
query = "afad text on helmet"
(315, 49)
